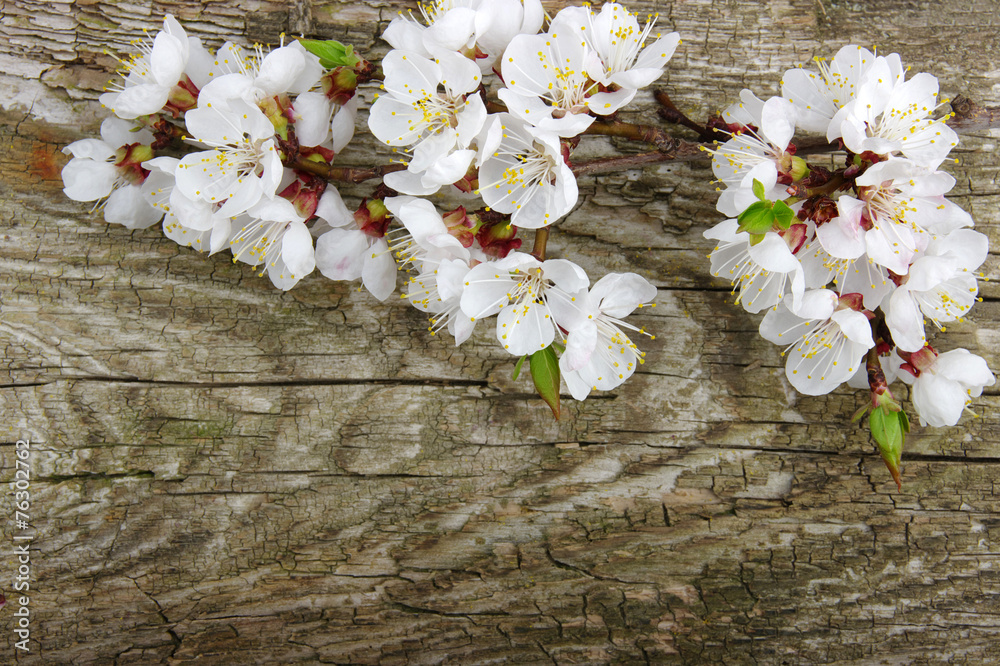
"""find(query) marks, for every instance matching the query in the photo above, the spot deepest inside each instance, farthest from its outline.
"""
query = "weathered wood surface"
(227, 474)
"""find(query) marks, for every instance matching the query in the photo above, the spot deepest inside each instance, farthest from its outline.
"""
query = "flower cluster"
(850, 258)
(554, 85)
(246, 116)
(483, 103)
(235, 149)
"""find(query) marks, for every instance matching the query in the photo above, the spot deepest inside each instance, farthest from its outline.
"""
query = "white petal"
(905, 321)
(342, 125)
(88, 180)
(331, 208)
(312, 118)
(379, 271)
(524, 328)
(279, 69)
(297, 250)
(939, 401)
(341, 253)
(127, 207)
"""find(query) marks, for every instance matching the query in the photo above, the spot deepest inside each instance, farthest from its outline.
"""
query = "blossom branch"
(345, 174)
(645, 133)
(669, 112)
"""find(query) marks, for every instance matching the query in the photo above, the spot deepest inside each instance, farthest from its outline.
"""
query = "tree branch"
(345, 174)
(541, 240)
(655, 136)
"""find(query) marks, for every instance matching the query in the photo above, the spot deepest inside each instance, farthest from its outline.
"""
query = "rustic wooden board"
(227, 474)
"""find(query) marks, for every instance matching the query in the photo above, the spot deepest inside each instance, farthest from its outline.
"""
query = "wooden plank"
(230, 474)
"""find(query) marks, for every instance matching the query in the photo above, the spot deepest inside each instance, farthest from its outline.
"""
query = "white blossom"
(109, 171)
(431, 108)
(889, 114)
(944, 384)
(826, 339)
(479, 29)
(273, 236)
(346, 252)
(762, 273)
(150, 74)
(818, 96)
(751, 155)
(529, 297)
(599, 355)
(243, 164)
(189, 222)
(547, 84)
(617, 55)
(522, 172)
(940, 285)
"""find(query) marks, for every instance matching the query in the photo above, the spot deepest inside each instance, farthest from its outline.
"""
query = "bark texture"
(226, 474)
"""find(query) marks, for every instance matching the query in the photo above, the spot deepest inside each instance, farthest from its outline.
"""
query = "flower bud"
(317, 154)
(129, 160)
(304, 194)
(183, 97)
(340, 84)
(794, 237)
(799, 168)
(469, 183)
(461, 226)
(497, 236)
(923, 359)
(276, 114)
(373, 217)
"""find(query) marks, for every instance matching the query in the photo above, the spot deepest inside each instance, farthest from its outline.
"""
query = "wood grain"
(227, 474)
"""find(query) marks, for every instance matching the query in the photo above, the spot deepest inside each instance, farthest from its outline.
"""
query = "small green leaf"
(889, 429)
(331, 53)
(758, 189)
(517, 367)
(758, 218)
(545, 373)
(783, 214)
(756, 238)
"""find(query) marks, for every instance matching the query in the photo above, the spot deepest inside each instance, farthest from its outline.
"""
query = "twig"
(645, 133)
(345, 174)
(541, 239)
(669, 112)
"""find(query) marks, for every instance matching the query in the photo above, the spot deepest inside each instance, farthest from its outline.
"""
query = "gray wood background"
(227, 474)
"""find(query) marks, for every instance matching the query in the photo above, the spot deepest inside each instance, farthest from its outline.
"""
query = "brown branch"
(654, 136)
(669, 112)
(344, 174)
(541, 240)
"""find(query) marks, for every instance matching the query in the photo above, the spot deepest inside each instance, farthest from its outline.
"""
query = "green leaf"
(889, 429)
(758, 218)
(545, 373)
(331, 53)
(783, 214)
(517, 367)
(758, 189)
